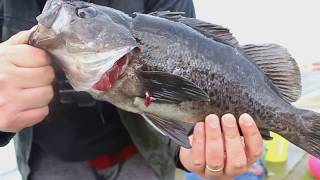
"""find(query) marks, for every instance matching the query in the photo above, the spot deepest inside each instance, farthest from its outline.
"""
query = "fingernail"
(199, 133)
(229, 120)
(246, 119)
(213, 121)
(199, 127)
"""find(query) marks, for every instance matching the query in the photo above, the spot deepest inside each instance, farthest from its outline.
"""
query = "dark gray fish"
(172, 69)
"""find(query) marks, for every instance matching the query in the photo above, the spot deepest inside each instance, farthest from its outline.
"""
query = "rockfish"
(172, 70)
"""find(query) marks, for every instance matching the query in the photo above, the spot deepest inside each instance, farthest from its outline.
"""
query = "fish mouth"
(114, 73)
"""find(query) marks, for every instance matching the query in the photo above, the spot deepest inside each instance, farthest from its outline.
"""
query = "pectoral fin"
(169, 88)
(171, 129)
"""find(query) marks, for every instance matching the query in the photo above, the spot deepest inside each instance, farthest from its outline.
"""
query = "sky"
(294, 24)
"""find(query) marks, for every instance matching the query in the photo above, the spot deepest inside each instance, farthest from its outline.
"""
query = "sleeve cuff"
(5, 138)
(179, 164)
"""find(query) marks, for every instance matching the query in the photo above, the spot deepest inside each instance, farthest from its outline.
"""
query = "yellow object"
(277, 149)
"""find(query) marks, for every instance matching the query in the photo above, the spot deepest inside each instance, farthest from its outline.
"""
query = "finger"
(252, 138)
(21, 37)
(31, 117)
(26, 56)
(27, 119)
(214, 146)
(33, 77)
(34, 98)
(236, 162)
(198, 149)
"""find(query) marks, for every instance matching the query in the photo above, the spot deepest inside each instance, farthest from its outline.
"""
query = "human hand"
(25, 83)
(221, 149)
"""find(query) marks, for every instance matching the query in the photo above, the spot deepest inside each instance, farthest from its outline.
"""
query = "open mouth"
(112, 75)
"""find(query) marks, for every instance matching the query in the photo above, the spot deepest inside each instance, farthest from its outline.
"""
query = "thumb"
(21, 37)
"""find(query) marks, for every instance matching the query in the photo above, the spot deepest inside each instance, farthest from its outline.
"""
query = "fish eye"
(86, 12)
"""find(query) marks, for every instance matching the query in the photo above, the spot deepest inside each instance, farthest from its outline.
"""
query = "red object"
(108, 160)
(148, 99)
(314, 166)
(112, 75)
(316, 65)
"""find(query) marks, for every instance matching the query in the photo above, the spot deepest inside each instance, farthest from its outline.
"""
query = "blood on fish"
(122, 61)
(112, 75)
(149, 99)
(104, 82)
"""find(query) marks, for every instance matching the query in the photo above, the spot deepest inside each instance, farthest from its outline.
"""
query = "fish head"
(86, 39)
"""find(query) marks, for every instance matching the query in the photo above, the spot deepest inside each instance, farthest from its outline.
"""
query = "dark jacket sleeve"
(5, 138)
(185, 6)
(1, 19)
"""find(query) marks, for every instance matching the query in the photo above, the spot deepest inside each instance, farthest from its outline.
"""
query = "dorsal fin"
(213, 31)
(279, 66)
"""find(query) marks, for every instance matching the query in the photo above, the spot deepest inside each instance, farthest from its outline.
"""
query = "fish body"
(172, 69)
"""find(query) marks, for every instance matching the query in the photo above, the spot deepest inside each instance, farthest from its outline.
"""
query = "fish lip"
(51, 3)
(50, 13)
(37, 39)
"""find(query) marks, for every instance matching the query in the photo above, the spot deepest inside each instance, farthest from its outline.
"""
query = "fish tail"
(308, 132)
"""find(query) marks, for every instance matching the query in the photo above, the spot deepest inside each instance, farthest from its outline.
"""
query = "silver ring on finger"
(214, 169)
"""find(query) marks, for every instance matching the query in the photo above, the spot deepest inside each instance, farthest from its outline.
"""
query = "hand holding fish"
(25, 83)
(218, 152)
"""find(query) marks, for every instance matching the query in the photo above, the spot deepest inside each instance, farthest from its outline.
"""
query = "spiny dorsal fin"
(213, 31)
(279, 66)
